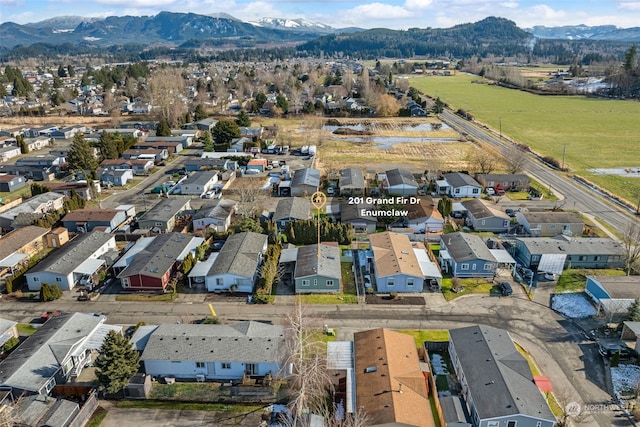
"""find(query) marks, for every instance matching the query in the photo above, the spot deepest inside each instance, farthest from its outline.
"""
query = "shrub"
(456, 284)
(393, 295)
(552, 161)
(10, 344)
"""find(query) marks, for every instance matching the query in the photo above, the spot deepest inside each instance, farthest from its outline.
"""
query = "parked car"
(505, 288)
(510, 212)
(490, 191)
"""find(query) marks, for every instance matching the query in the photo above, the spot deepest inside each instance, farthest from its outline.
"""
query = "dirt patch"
(400, 300)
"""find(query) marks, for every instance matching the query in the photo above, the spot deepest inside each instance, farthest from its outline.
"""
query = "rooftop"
(467, 247)
(457, 179)
(393, 254)
(293, 207)
(620, 287)
(400, 177)
(572, 246)
(91, 215)
(308, 263)
(239, 255)
(19, 238)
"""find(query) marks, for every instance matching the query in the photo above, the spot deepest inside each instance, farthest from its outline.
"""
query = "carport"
(12, 262)
(199, 272)
(552, 263)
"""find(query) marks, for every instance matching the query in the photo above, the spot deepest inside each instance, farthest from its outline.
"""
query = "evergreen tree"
(57, 82)
(243, 119)
(24, 149)
(163, 128)
(224, 131)
(445, 206)
(81, 156)
(261, 98)
(108, 145)
(282, 103)
(438, 108)
(38, 189)
(117, 363)
(61, 71)
(633, 313)
(199, 113)
(207, 141)
(70, 70)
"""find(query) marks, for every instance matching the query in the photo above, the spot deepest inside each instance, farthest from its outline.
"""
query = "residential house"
(86, 220)
(291, 209)
(152, 262)
(236, 267)
(395, 265)
(9, 152)
(58, 350)
(424, 217)
(257, 164)
(484, 217)
(115, 177)
(19, 245)
(462, 185)
(81, 257)
(138, 166)
(550, 224)
(390, 380)
(35, 144)
(318, 269)
(215, 214)
(38, 204)
(305, 182)
(613, 295)
(506, 181)
(252, 133)
(67, 132)
(57, 237)
(351, 182)
(356, 215)
(553, 255)
(198, 183)
(43, 410)
(204, 124)
(400, 182)
(41, 160)
(185, 141)
(9, 183)
(164, 215)
(40, 131)
(125, 132)
(209, 163)
(8, 330)
(502, 392)
(215, 352)
(155, 154)
(466, 255)
(85, 190)
(64, 151)
(32, 172)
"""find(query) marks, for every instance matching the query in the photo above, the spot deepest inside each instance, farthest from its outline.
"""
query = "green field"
(598, 133)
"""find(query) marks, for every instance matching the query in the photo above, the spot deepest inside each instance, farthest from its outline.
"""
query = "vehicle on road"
(505, 288)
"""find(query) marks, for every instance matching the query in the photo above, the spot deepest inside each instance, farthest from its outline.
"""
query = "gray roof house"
(236, 267)
(550, 224)
(41, 203)
(356, 215)
(351, 182)
(318, 269)
(164, 215)
(508, 181)
(484, 217)
(68, 264)
(462, 185)
(305, 182)
(502, 392)
(215, 214)
(215, 352)
(613, 294)
(466, 255)
(400, 182)
(554, 254)
(291, 209)
(7, 330)
(57, 351)
(199, 183)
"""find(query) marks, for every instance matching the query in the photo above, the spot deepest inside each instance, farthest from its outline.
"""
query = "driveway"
(119, 417)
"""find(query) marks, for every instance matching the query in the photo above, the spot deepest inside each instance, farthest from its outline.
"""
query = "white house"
(462, 185)
(215, 214)
(236, 267)
(199, 183)
(215, 352)
(400, 182)
(67, 265)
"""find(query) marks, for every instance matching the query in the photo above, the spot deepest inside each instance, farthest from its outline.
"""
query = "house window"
(539, 424)
(456, 191)
(476, 191)
(329, 283)
(511, 424)
(36, 279)
(487, 267)
(409, 282)
(199, 364)
(315, 282)
(483, 222)
(390, 282)
(219, 281)
(582, 258)
(158, 224)
(50, 385)
(58, 279)
(596, 258)
(464, 266)
(473, 266)
(493, 424)
(535, 258)
(225, 365)
(305, 283)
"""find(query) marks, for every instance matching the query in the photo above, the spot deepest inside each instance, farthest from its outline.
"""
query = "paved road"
(576, 196)
(555, 343)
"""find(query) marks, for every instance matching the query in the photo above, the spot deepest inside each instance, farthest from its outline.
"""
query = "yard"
(589, 133)
(469, 286)
(573, 280)
(422, 335)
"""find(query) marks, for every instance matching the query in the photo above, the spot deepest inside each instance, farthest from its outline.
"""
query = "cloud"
(133, 4)
(379, 11)
(629, 4)
(417, 4)
(510, 4)
(11, 3)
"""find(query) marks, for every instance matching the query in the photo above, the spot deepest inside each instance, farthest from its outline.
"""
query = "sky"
(394, 14)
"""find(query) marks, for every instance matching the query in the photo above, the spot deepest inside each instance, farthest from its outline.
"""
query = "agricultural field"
(598, 133)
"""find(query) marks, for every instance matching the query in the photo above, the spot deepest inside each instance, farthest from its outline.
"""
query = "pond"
(387, 142)
(372, 127)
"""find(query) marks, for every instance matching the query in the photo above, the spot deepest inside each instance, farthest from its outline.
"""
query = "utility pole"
(500, 127)
(564, 151)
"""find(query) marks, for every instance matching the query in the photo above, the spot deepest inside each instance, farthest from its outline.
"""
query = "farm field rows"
(598, 133)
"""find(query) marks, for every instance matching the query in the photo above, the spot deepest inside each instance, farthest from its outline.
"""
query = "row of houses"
(381, 373)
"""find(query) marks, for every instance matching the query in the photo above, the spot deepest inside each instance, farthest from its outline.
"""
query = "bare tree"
(309, 381)
(515, 160)
(571, 410)
(631, 242)
(167, 89)
(251, 196)
(482, 160)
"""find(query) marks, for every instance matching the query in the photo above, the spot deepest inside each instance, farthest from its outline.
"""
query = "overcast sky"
(395, 14)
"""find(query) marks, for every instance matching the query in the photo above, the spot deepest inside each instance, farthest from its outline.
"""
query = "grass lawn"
(14, 195)
(186, 406)
(97, 417)
(598, 133)
(574, 280)
(26, 328)
(432, 402)
(327, 299)
(470, 286)
(422, 335)
(348, 279)
(168, 297)
(442, 384)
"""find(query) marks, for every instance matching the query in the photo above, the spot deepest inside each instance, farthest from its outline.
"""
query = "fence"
(82, 418)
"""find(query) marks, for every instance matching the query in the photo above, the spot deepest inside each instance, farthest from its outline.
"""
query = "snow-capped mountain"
(293, 24)
(585, 32)
(62, 23)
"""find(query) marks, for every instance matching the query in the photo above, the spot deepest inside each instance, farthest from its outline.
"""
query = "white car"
(490, 191)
